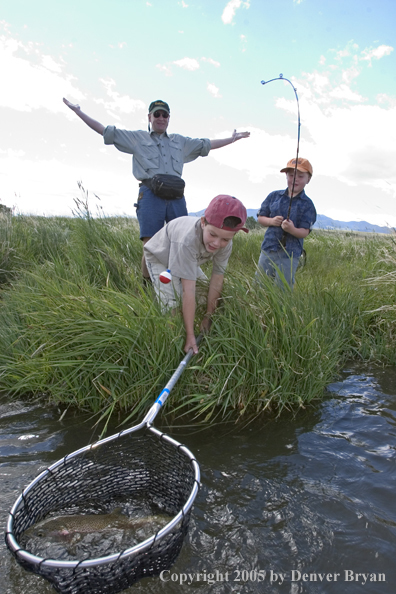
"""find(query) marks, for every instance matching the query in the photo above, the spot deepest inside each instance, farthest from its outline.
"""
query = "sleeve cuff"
(108, 134)
(205, 147)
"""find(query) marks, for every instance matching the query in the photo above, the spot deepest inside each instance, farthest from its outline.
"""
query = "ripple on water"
(314, 493)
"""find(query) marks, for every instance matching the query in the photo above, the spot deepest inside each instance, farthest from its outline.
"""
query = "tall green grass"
(78, 328)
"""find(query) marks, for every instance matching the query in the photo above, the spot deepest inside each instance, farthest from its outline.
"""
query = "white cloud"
(164, 68)
(187, 64)
(231, 8)
(190, 64)
(119, 103)
(49, 63)
(349, 74)
(34, 80)
(211, 61)
(12, 153)
(49, 187)
(377, 53)
(259, 155)
(345, 136)
(351, 51)
(213, 90)
(383, 98)
(345, 92)
(347, 51)
(343, 133)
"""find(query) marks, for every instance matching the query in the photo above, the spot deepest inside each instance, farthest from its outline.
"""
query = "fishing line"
(265, 82)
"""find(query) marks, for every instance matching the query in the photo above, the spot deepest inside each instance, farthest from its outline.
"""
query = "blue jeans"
(152, 212)
(269, 262)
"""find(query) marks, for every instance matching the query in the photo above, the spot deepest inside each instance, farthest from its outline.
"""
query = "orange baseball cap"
(302, 165)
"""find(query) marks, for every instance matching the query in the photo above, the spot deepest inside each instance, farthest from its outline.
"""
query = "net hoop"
(145, 559)
(33, 559)
(139, 463)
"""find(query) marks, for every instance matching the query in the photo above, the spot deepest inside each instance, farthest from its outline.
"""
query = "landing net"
(139, 463)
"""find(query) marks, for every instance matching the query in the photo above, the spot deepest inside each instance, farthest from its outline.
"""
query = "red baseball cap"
(224, 206)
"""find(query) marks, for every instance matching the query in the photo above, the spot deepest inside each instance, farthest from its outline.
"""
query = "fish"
(65, 527)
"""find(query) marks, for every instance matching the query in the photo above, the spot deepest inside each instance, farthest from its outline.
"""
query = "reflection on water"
(289, 506)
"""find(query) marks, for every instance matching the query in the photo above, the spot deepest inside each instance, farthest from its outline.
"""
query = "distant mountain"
(324, 222)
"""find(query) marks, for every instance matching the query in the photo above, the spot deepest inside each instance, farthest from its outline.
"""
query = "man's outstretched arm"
(219, 142)
(93, 124)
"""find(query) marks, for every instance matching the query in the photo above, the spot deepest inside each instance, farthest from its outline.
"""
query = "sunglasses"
(158, 114)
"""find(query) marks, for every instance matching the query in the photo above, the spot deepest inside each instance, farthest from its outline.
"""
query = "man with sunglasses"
(156, 152)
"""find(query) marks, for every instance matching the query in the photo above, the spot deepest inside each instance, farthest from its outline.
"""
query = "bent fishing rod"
(265, 82)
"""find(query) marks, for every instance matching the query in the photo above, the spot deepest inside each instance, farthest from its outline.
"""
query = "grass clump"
(78, 328)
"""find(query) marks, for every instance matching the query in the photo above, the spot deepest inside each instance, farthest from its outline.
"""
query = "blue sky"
(207, 60)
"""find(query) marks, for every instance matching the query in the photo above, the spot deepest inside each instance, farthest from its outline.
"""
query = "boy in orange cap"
(186, 243)
(284, 238)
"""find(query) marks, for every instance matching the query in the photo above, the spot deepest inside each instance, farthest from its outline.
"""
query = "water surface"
(302, 504)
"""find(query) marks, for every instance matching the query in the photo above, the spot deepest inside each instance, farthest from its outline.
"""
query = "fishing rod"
(265, 82)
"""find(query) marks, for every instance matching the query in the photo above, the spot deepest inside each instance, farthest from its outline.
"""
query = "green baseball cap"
(154, 105)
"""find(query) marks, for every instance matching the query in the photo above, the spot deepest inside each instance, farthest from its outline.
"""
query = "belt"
(146, 182)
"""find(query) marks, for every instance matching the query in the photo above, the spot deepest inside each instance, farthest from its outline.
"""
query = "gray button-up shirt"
(156, 153)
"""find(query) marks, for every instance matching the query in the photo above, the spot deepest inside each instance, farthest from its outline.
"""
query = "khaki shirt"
(156, 153)
(178, 247)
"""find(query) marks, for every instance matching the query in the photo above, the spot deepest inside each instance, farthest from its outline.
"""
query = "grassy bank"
(78, 328)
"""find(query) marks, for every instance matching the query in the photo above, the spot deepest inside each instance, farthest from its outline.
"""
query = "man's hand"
(72, 106)
(93, 124)
(238, 135)
(219, 142)
(191, 343)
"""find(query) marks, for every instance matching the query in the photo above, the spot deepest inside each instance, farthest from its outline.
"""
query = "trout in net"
(70, 535)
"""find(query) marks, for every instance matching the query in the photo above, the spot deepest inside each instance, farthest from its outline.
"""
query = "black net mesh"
(144, 464)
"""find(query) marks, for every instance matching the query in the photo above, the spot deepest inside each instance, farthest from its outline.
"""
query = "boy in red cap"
(284, 238)
(156, 152)
(186, 243)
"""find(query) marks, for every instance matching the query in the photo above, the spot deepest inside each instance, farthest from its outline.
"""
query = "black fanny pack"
(166, 186)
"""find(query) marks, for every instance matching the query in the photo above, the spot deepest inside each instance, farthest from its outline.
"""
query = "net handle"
(152, 413)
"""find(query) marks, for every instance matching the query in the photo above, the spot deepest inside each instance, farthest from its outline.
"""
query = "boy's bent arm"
(299, 232)
(93, 124)
(188, 309)
(214, 294)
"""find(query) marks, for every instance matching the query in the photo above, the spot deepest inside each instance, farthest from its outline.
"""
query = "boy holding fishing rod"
(182, 246)
(289, 215)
